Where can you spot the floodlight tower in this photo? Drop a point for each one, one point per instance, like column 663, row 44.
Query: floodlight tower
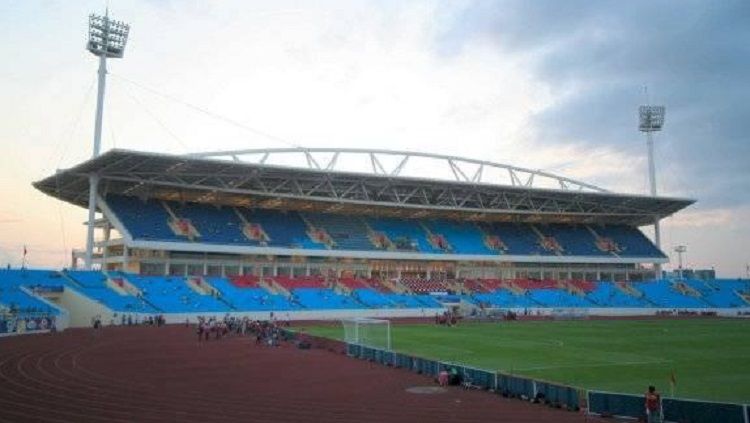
column 680, row 250
column 107, row 39
column 651, row 119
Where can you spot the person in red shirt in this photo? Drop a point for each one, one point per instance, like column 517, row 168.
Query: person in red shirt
column 653, row 405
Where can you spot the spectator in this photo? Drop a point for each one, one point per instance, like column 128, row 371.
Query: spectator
column 443, row 377
column 653, row 405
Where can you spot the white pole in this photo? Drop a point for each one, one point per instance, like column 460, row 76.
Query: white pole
column 93, row 179
column 93, row 184
column 100, row 104
column 652, row 182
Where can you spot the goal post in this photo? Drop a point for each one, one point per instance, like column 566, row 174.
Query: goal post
column 374, row 333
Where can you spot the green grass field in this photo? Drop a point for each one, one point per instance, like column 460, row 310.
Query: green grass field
column 710, row 358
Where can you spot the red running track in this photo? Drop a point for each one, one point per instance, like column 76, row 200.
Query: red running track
column 146, row 374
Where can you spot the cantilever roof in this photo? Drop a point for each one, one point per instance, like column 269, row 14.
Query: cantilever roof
column 238, row 183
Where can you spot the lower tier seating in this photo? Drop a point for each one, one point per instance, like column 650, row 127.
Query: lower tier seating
column 23, row 291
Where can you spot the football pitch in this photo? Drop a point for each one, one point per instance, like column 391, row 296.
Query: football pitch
column 710, row 358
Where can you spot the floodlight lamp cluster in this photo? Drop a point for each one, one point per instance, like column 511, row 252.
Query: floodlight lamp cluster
column 651, row 118
column 107, row 37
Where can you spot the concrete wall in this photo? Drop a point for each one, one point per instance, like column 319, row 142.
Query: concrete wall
column 81, row 309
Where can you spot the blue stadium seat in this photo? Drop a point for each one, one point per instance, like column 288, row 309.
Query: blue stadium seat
column 324, row 299
column 249, row 298
column 349, row 233
column 172, row 295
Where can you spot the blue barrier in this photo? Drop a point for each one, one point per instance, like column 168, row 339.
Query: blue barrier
column 353, row 350
column 559, row 394
column 609, row 403
column 404, row 361
column 603, row 403
column 480, row 378
column 515, row 386
column 699, row 412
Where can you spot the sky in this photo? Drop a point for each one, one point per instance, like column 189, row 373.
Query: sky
column 547, row 85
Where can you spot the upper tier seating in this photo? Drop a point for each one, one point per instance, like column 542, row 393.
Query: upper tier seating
column 575, row 240
column 406, row 235
column 287, row 229
column 463, row 237
column 284, row 229
column 348, row 233
column 519, row 239
column 631, row 241
column 144, row 220
column 215, row 225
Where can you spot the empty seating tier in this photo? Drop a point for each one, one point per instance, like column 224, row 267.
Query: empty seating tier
column 151, row 220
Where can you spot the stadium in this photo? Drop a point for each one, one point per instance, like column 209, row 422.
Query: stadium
column 394, row 267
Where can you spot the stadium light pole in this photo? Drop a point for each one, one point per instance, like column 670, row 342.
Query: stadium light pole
column 651, row 119
column 680, row 250
column 107, row 39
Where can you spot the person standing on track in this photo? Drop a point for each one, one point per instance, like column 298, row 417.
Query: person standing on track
column 653, row 405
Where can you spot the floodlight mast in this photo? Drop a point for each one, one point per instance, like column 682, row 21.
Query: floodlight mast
column 680, row 250
column 651, row 119
column 107, row 39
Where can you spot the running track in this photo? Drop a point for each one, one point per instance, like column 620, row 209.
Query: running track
column 146, row 374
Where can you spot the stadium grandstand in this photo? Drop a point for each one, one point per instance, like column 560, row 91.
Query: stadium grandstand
column 238, row 232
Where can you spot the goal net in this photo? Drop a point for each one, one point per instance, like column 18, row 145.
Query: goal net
column 375, row 333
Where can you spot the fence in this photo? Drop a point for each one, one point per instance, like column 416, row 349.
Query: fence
column 557, row 395
column 503, row 384
column 673, row 409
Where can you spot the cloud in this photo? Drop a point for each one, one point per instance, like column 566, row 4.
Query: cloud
column 596, row 57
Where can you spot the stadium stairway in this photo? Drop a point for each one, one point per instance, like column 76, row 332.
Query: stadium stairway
column 378, row 239
column 685, row 289
column 203, row 286
column 199, row 285
column 600, row 241
column 318, row 234
column 548, row 242
column 275, row 288
column 179, row 225
column 630, row 290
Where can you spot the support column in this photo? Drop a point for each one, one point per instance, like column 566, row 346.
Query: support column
column 93, row 186
column 125, row 258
